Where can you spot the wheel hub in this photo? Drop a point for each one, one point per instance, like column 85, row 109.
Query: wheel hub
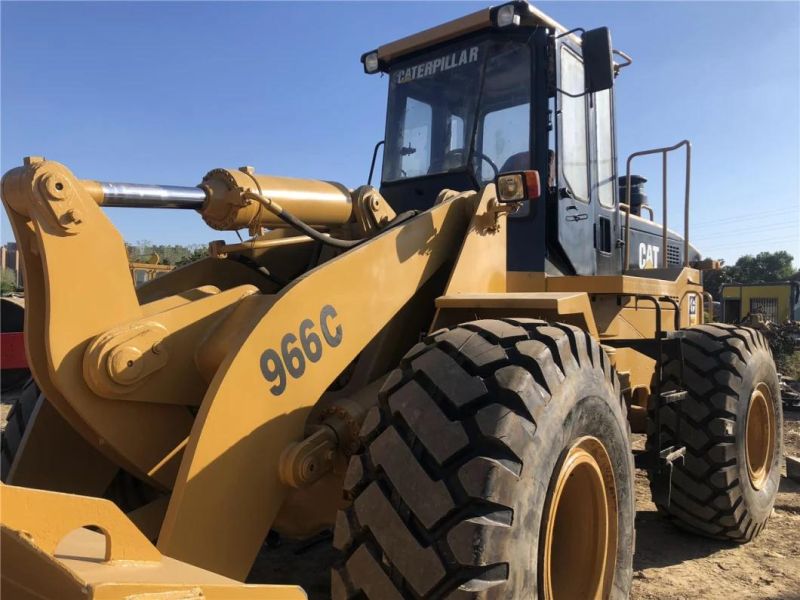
column 760, row 435
column 580, row 535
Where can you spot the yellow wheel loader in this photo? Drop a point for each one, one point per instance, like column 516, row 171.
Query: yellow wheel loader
column 443, row 371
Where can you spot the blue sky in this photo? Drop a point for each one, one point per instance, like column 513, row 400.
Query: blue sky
column 161, row 92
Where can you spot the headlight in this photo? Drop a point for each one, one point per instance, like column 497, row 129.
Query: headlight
column 510, row 188
column 371, row 63
column 519, row 186
column 507, row 15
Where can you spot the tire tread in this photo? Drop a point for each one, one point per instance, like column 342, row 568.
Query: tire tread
column 474, row 382
column 706, row 496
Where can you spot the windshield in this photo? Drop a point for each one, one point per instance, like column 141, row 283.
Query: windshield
column 463, row 108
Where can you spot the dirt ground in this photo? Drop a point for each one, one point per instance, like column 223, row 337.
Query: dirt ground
column 668, row 564
column 672, row 565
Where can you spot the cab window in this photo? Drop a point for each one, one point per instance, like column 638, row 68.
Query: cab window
column 605, row 150
column 415, row 156
column 573, row 126
column 462, row 108
column 505, row 140
column 504, row 136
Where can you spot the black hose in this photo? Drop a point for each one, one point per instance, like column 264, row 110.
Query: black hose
column 401, row 218
column 288, row 218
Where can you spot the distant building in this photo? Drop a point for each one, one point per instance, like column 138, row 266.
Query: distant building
column 778, row 302
column 11, row 259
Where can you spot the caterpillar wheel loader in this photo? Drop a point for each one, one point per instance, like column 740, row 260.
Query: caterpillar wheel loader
column 445, row 370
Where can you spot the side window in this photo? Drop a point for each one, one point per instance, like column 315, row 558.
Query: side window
column 416, row 137
column 505, row 140
column 605, row 150
column 573, row 126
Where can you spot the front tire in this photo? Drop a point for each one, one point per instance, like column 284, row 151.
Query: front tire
column 497, row 465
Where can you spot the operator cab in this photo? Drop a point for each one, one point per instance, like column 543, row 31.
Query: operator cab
column 508, row 89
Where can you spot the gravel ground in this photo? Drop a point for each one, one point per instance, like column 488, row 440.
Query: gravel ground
column 668, row 564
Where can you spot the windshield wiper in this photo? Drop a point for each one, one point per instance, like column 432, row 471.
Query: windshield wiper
column 407, row 150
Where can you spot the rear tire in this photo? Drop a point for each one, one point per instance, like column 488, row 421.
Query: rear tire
column 465, row 459
column 732, row 427
column 125, row 490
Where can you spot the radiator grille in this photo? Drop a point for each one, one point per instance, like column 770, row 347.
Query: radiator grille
column 673, row 255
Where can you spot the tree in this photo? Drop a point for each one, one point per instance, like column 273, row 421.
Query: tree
column 764, row 267
column 175, row 254
column 8, row 282
column 714, row 280
column 197, row 254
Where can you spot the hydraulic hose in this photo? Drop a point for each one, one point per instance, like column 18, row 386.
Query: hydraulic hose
column 288, row 218
column 293, row 221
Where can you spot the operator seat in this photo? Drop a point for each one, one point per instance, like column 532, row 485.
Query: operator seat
column 521, row 161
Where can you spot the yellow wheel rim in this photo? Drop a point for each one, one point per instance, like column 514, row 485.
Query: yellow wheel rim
column 760, row 435
column 580, row 535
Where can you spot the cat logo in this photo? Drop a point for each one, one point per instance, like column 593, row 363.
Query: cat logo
column 648, row 256
column 692, row 304
column 694, row 319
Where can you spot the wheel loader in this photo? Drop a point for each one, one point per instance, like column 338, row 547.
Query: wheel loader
column 444, row 371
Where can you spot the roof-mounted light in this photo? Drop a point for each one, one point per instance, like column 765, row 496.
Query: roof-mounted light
column 506, row 16
column 371, row 62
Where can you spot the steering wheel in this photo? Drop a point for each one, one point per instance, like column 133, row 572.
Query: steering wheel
column 489, row 161
column 455, row 155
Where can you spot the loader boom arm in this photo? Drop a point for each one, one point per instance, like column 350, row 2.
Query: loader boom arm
column 122, row 372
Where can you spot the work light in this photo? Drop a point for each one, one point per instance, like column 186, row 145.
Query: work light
column 371, row 63
column 507, row 15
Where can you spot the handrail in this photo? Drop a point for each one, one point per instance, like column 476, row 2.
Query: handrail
column 626, row 208
column 663, row 151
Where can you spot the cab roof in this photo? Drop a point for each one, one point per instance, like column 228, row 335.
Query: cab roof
column 481, row 20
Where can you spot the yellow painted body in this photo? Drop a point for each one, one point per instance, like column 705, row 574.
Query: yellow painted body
column 262, row 366
column 781, row 300
column 47, row 553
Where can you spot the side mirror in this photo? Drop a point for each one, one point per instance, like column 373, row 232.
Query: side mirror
column 518, row 186
column 597, row 60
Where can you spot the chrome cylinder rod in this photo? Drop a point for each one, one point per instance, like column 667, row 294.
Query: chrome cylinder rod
column 136, row 195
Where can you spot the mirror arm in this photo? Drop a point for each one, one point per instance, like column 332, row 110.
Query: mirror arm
column 374, row 157
column 581, row 95
column 570, row 32
column 628, row 61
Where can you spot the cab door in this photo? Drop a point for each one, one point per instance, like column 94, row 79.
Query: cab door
column 604, row 182
column 575, row 210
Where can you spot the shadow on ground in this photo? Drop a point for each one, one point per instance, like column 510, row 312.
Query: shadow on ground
column 659, row 543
